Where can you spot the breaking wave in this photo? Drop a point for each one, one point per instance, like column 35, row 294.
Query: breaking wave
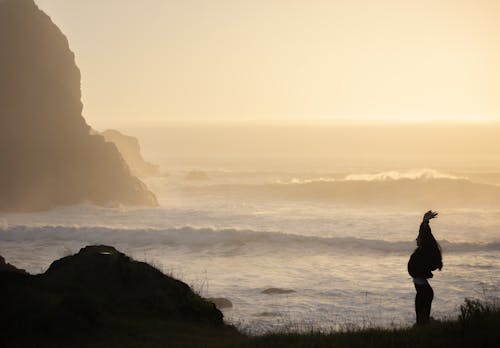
column 415, row 189
column 416, row 174
column 420, row 174
column 210, row 239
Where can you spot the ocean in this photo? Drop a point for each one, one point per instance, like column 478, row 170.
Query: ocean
column 340, row 241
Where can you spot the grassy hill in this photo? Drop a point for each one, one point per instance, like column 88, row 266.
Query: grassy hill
column 100, row 297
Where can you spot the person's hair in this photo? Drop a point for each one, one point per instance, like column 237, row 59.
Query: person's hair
column 431, row 250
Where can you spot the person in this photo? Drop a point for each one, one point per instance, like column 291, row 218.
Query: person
column 425, row 259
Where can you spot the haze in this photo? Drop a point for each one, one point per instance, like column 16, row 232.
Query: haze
column 277, row 155
column 342, row 147
column 283, row 61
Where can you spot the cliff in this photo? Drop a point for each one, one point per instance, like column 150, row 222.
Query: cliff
column 47, row 154
column 100, row 297
column 131, row 153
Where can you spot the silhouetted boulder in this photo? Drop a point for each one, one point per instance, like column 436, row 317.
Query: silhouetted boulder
column 102, row 274
column 47, row 155
column 131, row 153
column 98, row 290
column 277, row 291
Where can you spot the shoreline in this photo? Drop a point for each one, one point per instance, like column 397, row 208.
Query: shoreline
column 112, row 328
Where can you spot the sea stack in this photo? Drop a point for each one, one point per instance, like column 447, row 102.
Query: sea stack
column 48, row 156
column 131, row 152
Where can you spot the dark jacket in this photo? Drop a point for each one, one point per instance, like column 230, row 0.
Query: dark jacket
column 424, row 259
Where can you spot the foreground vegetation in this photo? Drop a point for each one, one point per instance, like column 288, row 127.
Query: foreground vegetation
column 477, row 326
column 100, row 297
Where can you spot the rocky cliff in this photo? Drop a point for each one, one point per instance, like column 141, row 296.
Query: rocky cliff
column 131, row 153
column 47, row 155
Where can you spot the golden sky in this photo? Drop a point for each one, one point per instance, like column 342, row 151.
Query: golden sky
column 284, row 60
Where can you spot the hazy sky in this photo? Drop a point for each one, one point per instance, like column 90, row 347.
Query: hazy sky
column 278, row 60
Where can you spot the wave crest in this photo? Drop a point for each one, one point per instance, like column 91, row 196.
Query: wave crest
column 221, row 239
column 418, row 174
column 418, row 189
column 415, row 174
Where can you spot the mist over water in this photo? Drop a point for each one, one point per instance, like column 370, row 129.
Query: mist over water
column 297, row 154
column 232, row 233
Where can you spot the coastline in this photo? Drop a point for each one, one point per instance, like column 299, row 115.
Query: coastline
column 477, row 324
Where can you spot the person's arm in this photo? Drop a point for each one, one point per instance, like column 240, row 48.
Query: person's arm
column 424, row 227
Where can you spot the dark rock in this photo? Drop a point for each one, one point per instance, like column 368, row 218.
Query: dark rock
column 131, row 153
column 220, row 302
column 274, row 291
column 269, row 314
column 48, row 156
column 101, row 291
column 7, row 267
column 123, row 284
column 80, row 308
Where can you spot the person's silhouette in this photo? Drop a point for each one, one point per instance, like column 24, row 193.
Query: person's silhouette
column 425, row 259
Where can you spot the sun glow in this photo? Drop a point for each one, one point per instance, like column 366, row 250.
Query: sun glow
column 285, row 61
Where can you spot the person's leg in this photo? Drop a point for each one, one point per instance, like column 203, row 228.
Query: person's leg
column 429, row 296
column 423, row 302
column 419, row 304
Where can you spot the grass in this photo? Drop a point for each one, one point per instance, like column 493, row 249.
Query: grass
column 37, row 312
column 478, row 325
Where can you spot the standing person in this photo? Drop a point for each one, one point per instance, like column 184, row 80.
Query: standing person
column 425, row 259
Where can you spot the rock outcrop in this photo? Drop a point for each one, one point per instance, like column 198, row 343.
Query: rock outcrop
column 98, row 291
column 277, row 291
column 7, row 267
column 47, row 155
column 131, row 153
column 220, row 302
